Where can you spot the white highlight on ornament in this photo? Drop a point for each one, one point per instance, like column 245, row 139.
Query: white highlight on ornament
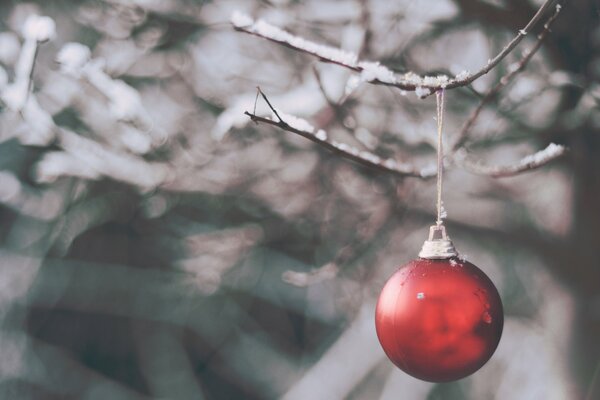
column 321, row 135
column 240, row 19
column 372, row 71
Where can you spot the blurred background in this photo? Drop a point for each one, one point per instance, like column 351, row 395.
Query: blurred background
column 157, row 244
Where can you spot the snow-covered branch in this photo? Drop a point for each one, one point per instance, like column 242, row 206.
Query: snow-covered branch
column 35, row 30
column 374, row 72
column 360, row 156
column 527, row 163
column 93, row 156
column 303, row 128
column 125, row 102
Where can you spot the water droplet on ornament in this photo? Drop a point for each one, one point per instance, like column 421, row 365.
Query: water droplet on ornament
column 487, row 318
column 420, row 295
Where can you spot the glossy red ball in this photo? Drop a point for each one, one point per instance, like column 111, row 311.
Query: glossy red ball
column 439, row 320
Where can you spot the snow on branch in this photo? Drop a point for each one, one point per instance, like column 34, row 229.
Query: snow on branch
column 36, row 30
column 303, row 128
column 373, row 72
column 527, row 163
column 99, row 159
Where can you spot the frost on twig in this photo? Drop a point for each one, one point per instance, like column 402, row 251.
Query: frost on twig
column 528, row 163
column 373, row 72
column 303, row 128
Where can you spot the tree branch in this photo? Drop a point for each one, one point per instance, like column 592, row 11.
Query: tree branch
column 527, row 163
column 303, row 128
column 362, row 157
column 504, row 80
column 373, row 72
column 36, row 30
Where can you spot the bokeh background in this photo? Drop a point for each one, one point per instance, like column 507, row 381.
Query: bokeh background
column 157, row 244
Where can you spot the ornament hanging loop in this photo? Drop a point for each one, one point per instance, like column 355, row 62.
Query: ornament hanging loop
column 438, row 245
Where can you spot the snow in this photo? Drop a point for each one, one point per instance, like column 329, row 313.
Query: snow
column 523, row 32
column 430, row 170
column 422, row 92
column 346, row 148
column 125, row 101
column 321, row 135
column 39, row 28
column 240, row 19
column 293, row 121
column 366, row 155
column 72, row 57
column 552, row 151
column 390, row 163
column 372, row 71
column 266, row 30
column 462, row 75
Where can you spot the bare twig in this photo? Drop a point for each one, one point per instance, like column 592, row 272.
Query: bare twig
column 270, row 105
column 373, row 72
column 528, row 163
column 513, row 71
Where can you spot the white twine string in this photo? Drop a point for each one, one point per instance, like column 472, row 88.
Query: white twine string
column 439, row 96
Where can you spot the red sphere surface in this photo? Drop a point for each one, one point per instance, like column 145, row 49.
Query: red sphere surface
column 439, row 320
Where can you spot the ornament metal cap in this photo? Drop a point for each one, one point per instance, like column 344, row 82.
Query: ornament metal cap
column 438, row 246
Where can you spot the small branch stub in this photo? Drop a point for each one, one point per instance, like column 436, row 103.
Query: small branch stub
column 438, row 246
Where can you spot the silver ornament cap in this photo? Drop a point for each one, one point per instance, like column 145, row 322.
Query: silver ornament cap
column 438, row 246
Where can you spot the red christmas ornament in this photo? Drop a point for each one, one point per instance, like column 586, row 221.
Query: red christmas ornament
column 439, row 318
